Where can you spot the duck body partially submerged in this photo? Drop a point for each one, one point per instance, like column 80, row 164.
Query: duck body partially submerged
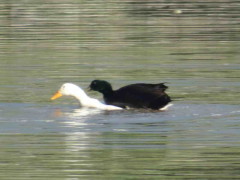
column 69, row 89
column 140, row 95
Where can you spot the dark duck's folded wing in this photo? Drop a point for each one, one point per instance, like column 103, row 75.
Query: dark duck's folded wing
column 140, row 96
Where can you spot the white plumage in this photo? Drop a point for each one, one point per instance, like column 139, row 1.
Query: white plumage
column 69, row 89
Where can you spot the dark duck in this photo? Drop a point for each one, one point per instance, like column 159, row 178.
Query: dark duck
column 140, row 95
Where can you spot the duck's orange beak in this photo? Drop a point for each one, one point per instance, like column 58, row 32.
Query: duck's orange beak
column 56, row 95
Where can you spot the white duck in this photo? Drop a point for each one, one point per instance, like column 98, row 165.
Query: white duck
column 69, row 89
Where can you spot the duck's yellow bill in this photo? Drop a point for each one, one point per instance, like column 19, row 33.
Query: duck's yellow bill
column 56, row 95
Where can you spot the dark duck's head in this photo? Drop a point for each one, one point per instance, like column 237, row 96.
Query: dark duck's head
column 101, row 86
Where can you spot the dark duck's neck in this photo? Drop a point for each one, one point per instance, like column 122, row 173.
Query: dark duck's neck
column 101, row 86
column 107, row 90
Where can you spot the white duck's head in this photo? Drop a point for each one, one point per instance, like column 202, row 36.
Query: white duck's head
column 69, row 89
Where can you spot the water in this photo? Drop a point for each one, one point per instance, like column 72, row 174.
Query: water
column 187, row 141
column 192, row 45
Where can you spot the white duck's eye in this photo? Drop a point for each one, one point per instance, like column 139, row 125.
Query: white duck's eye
column 63, row 87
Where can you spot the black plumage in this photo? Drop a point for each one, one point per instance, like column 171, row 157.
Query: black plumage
column 138, row 95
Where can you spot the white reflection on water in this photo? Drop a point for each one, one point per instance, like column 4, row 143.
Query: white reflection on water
column 79, row 116
column 77, row 141
column 83, row 112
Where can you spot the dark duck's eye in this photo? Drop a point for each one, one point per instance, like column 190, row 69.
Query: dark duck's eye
column 93, row 85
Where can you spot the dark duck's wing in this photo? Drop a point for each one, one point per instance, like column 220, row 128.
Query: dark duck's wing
column 140, row 96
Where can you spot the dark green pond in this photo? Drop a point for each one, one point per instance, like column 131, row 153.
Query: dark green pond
column 191, row 45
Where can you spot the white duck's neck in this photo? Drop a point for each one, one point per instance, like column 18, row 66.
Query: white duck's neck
column 86, row 101
column 81, row 96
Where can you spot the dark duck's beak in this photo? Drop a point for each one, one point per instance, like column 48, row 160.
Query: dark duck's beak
column 92, row 86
